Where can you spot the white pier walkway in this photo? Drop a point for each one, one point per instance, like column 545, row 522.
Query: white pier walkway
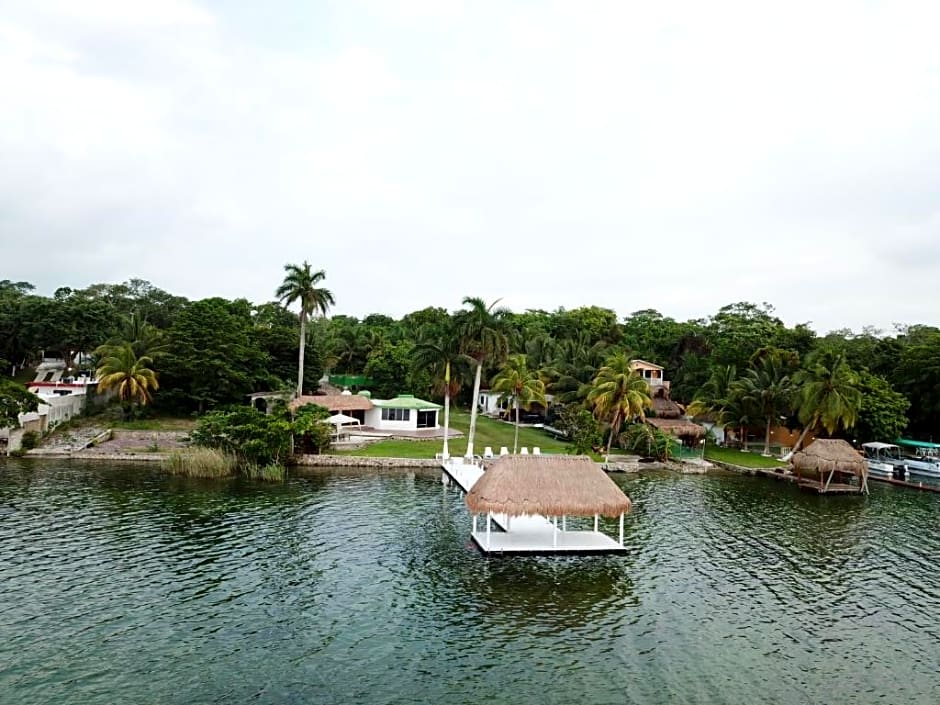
column 532, row 534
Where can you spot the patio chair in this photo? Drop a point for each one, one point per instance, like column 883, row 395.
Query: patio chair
column 536, row 450
column 488, row 452
column 503, row 450
column 524, row 451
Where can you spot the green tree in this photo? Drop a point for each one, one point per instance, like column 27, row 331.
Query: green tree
column 769, row 387
column 882, row 414
column 300, row 285
column 132, row 376
column 580, row 428
column 517, row 382
column 439, row 352
column 212, row 356
column 388, row 367
column 618, row 394
column 829, row 396
column 15, row 400
column 483, row 339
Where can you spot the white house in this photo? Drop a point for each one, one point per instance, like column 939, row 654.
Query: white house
column 403, row 413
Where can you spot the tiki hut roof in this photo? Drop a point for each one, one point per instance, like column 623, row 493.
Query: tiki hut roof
column 827, row 454
column 666, row 408
column 334, row 402
column 547, row 485
column 677, row 427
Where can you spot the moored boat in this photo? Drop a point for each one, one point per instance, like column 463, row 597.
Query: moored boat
column 885, row 460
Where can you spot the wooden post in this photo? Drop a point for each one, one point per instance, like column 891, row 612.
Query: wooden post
column 595, row 523
column 831, row 473
column 621, row 529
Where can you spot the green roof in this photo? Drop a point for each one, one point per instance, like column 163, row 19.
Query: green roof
column 405, row 401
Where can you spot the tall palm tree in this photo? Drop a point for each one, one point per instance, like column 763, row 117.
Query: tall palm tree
column 132, row 376
column 523, row 385
column 828, row 393
column 770, row 389
column 713, row 396
column 300, row 284
column 441, row 355
column 618, row 393
column 483, row 339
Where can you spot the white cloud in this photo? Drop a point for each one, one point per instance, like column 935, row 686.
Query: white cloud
column 629, row 155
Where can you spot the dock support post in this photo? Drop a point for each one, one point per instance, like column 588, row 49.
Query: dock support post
column 554, row 532
column 474, row 523
column 488, row 517
column 595, row 523
column 621, row 529
column 564, row 522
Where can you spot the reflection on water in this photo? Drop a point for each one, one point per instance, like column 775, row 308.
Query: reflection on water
column 121, row 585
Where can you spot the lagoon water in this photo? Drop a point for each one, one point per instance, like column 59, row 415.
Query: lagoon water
column 120, row 585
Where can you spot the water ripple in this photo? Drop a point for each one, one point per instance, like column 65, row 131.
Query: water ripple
column 121, row 584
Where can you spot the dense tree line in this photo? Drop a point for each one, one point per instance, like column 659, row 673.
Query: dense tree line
column 743, row 362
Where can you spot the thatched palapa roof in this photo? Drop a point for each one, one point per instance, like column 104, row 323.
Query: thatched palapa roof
column 548, row 485
column 666, row 408
column 677, row 427
column 827, row 454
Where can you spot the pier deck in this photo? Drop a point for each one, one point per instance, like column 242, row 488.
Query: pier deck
column 525, row 535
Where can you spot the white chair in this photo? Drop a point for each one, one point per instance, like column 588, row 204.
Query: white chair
column 488, row 452
column 524, row 450
column 504, row 450
column 536, row 450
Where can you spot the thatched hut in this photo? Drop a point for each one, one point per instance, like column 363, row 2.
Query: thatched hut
column 547, row 486
column 829, row 465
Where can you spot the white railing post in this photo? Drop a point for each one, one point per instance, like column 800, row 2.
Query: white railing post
column 621, row 529
column 595, row 523
column 488, row 516
column 554, row 532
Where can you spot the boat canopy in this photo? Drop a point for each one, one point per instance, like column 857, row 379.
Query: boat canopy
column 878, row 446
column 918, row 444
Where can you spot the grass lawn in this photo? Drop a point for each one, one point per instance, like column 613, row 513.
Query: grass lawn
column 489, row 433
column 738, row 457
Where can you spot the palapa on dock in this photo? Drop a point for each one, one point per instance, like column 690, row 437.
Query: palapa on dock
column 530, row 493
column 836, row 463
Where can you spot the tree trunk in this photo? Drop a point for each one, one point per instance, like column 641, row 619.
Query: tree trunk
column 799, row 441
column 610, row 441
column 515, row 441
column 767, row 437
column 446, row 408
column 473, row 409
column 303, row 345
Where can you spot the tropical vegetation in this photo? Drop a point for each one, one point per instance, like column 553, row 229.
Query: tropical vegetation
column 741, row 367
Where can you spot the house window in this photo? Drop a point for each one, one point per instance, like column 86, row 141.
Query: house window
column 396, row 414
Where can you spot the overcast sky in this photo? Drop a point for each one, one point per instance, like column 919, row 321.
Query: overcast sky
column 677, row 156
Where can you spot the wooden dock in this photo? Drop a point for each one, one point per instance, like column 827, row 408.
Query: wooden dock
column 828, row 488
column 524, row 535
column 926, row 487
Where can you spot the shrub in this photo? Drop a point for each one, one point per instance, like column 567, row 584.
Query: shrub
column 30, row 440
column 646, row 440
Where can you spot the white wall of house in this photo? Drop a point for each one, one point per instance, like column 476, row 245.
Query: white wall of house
column 489, row 401
column 375, row 420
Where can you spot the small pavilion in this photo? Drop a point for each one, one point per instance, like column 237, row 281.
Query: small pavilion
column 831, row 466
column 530, row 498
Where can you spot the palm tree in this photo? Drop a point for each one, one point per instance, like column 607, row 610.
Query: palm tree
column 713, row 396
column 525, row 386
column 442, row 357
column 132, row 376
column 618, row 393
column 300, row 284
column 829, row 395
column 483, row 339
column 770, row 389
